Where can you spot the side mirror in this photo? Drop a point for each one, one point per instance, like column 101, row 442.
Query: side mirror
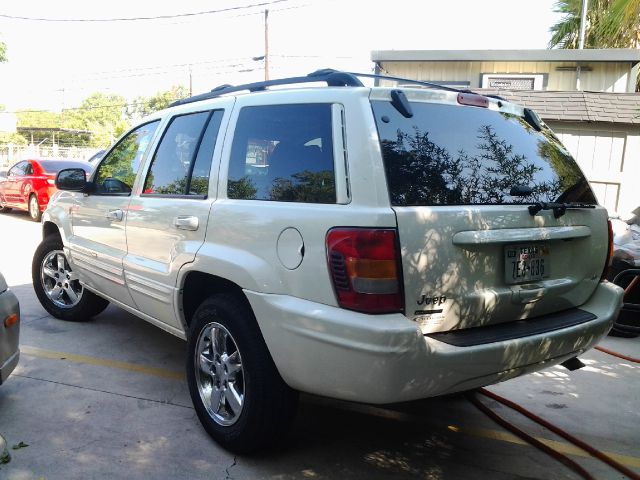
column 71, row 179
column 3, row 173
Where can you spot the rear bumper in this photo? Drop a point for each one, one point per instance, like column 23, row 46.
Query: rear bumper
column 385, row 358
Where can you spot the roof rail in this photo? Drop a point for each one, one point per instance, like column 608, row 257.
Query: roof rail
column 333, row 78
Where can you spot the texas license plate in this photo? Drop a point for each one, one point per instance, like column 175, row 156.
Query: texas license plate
column 526, row 262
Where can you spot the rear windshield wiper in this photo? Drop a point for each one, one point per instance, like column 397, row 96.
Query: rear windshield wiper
column 559, row 209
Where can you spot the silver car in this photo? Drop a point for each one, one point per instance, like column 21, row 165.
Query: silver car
column 9, row 330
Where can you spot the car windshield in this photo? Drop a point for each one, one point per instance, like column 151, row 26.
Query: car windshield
column 452, row 155
column 54, row 166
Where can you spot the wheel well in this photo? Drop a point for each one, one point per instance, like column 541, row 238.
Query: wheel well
column 50, row 228
column 199, row 286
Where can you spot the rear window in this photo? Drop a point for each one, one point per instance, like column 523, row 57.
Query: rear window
column 54, row 166
column 452, row 155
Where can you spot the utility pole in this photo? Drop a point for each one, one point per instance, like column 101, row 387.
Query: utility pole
column 266, row 44
column 583, row 29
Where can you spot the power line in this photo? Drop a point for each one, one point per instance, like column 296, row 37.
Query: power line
column 132, row 19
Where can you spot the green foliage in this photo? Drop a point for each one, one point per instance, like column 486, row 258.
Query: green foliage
column 34, row 119
column 13, row 138
column 610, row 24
column 425, row 173
column 143, row 106
column 121, row 164
column 243, row 188
column 306, row 186
column 3, row 52
column 101, row 114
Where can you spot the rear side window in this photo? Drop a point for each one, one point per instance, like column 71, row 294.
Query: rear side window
column 283, row 153
column 451, row 155
column 18, row 169
column 182, row 161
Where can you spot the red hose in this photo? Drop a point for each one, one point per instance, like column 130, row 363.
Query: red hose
column 529, row 439
column 619, row 355
column 558, row 431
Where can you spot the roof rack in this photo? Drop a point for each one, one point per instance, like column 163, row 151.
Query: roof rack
column 333, row 78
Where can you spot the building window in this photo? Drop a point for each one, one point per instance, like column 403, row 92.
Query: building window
column 507, row 81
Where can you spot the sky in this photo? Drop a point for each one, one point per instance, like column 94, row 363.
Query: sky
column 54, row 65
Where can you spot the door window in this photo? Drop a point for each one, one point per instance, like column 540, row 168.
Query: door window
column 283, row 153
column 182, row 162
column 117, row 172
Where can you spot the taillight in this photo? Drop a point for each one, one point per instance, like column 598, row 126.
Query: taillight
column 365, row 269
column 607, row 262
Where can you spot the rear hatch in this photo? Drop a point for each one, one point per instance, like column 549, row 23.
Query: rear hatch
column 462, row 173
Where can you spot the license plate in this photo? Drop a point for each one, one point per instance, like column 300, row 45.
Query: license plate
column 526, row 262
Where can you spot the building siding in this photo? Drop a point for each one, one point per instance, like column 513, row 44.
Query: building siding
column 609, row 157
column 603, row 77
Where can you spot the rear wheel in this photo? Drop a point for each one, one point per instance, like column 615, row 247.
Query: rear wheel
column 57, row 286
column 34, row 208
column 237, row 392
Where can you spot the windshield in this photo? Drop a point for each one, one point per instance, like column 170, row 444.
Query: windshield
column 452, row 155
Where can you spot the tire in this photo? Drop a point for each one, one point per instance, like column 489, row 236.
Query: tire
column 58, row 288
column 34, row 208
column 3, row 207
column 236, row 362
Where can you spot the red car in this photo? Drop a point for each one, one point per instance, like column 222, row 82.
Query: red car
column 29, row 184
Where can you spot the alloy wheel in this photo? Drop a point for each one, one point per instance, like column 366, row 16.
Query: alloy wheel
column 219, row 374
column 60, row 283
column 34, row 208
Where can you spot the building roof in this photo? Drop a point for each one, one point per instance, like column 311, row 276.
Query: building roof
column 576, row 106
column 559, row 55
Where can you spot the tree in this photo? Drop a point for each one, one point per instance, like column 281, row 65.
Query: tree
column 3, row 52
column 102, row 115
column 143, row 106
column 610, row 24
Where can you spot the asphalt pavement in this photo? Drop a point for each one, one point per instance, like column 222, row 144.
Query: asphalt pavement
column 107, row 399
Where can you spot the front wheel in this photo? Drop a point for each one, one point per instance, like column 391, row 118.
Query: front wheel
column 3, row 206
column 57, row 286
column 34, row 208
column 236, row 390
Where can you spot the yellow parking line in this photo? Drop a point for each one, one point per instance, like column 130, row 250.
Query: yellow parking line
column 498, row 435
column 130, row 367
column 561, row 447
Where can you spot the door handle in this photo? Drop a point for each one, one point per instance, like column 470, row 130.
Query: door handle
column 186, row 223
column 115, row 215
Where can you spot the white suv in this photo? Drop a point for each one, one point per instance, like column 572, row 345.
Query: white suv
column 369, row 244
